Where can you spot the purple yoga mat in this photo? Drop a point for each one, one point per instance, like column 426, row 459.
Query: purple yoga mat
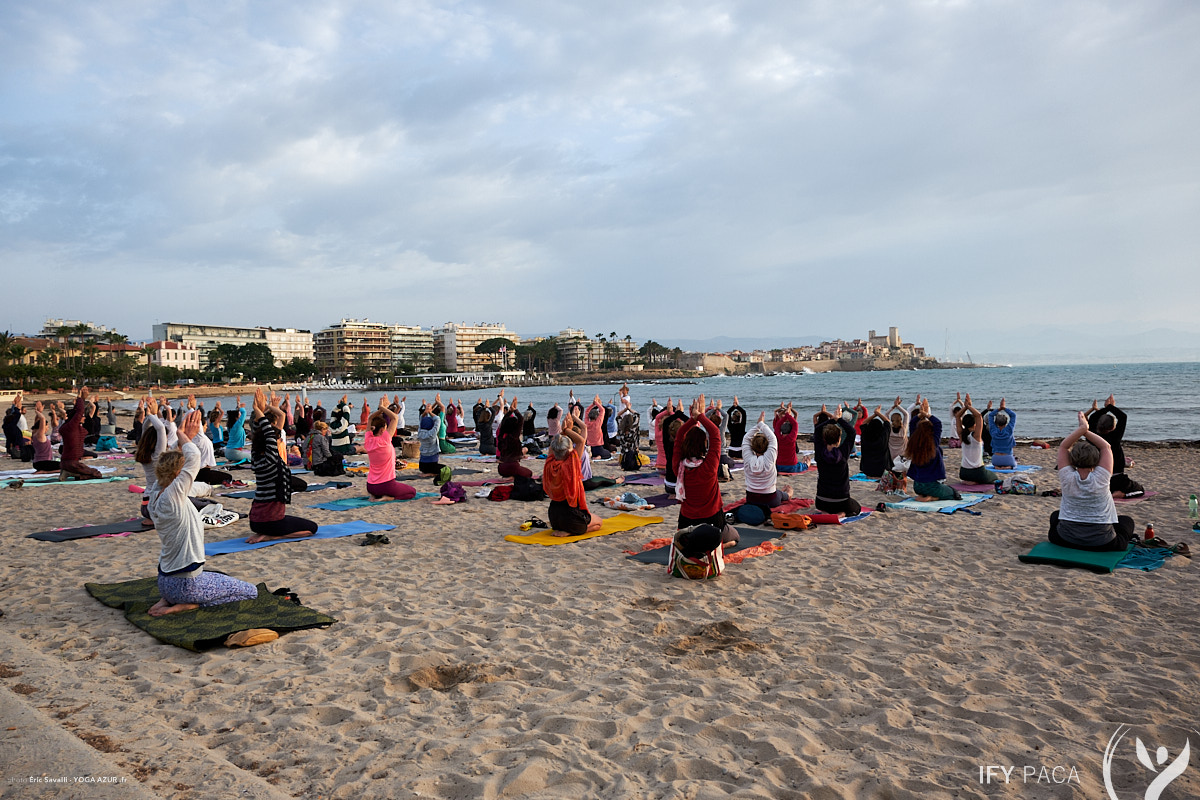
column 653, row 479
column 660, row 500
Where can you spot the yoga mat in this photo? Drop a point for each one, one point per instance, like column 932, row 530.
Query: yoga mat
column 205, row 627
column 1145, row 496
column 299, row 471
column 427, row 476
column 1050, row 553
column 661, row 500
column 29, row 484
column 645, row 480
column 350, row 503
column 1017, row 468
column 858, row 476
column 973, row 487
column 747, row 537
column 460, row 457
column 88, row 531
column 617, row 524
column 942, row 506
column 248, row 494
column 325, row 532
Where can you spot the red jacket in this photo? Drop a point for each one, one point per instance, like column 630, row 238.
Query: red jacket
column 702, row 493
column 787, row 441
column 72, row 434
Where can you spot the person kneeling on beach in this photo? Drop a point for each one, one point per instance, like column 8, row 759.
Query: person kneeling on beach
column 833, row 438
column 563, row 482
column 182, row 581
column 967, row 421
column 928, row 469
column 273, row 479
column 381, row 456
column 759, row 447
column 1087, row 517
column 696, row 457
column 1002, row 424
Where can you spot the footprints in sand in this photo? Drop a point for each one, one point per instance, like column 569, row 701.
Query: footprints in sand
column 712, row 638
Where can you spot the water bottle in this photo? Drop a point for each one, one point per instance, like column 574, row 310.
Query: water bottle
column 1193, row 508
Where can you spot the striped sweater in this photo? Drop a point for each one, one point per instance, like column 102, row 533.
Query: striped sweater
column 272, row 477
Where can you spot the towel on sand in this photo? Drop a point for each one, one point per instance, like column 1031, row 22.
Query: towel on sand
column 747, row 538
column 205, row 627
column 324, row 532
column 942, row 506
column 617, row 524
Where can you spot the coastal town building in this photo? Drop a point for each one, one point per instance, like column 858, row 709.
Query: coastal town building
column 286, row 344
column 80, row 331
column 454, row 346
column 180, row 355
column 412, row 345
column 352, row 344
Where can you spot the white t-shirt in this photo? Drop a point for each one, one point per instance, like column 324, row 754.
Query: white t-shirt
column 1086, row 500
column 972, row 454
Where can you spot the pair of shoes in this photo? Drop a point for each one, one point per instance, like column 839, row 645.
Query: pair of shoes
column 287, row 594
column 235, row 484
column 1182, row 549
column 533, row 522
column 881, row 507
column 375, row 538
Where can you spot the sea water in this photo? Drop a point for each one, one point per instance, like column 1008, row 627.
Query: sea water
column 1160, row 399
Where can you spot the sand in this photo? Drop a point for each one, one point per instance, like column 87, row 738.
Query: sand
column 890, row 658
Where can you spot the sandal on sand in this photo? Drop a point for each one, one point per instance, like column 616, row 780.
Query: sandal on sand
column 251, row 637
column 375, row 538
column 1182, row 549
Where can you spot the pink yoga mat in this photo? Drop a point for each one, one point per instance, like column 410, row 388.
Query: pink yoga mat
column 1146, row 496
column 983, row 488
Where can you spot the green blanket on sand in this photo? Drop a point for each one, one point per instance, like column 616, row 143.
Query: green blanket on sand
column 205, row 627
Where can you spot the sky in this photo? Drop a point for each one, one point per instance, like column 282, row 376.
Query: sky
column 664, row 170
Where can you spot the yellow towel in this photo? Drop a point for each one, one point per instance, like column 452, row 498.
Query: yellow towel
column 621, row 522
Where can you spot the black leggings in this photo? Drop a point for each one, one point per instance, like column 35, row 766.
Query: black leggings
column 849, row 506
column 213, row 476
column 284, row 527
column 46, row 466
column 1123, row 528
column 430, row 467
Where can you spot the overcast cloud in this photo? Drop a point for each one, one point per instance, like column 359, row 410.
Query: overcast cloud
column 662, row 170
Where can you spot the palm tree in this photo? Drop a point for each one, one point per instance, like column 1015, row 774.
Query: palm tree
column 6, row 343
column 17, row 352
column 115, row 340
column 90, row 351
column 148, row 352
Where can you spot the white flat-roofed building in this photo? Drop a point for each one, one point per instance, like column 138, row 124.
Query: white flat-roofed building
column 285, row 343
column 454, row 345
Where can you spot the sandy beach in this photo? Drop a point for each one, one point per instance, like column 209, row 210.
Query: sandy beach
column 894, row 657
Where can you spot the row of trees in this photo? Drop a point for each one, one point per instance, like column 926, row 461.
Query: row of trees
column 548, row 356
column 74, row 358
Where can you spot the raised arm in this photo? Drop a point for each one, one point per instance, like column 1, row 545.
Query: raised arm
column 1082, row 431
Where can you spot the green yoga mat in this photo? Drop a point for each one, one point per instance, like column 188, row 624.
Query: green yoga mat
column 205, row 627
column 1049, row 553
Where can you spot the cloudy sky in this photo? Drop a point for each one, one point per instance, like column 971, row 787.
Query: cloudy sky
column 658, row 169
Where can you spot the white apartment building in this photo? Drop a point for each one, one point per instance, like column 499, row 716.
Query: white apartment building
column 180, row 355
column 412, row 344
column 454, row 345
column 285, row 343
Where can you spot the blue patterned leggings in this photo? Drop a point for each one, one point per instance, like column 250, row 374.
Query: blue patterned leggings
column 208, row 589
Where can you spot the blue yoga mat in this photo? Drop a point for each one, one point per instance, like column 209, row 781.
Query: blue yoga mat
column 942, row 506
column 325, row 532
column 1017, row 468
column 351, row 503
